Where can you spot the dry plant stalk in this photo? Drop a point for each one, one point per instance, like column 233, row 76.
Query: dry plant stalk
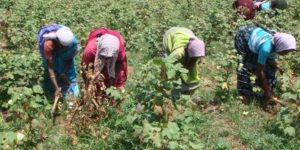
column 166, row 110
column 169, row 108
column 92, row 108
column 276, row 100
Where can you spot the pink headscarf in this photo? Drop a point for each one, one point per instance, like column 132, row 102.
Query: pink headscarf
column 284, row 41
column 196, row 48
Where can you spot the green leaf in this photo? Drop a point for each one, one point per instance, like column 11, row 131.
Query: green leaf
column 10, row 90
column 171, row 73
column 285, row 78
column 173, row 145
column 158, row 61
column 290, row 131
column 146, row 128
column 35, row 123
column 10, row 75
column 114, row 92
column 297, row 85
column 27, row 91
column 289, row 95
column 183, row 70
column 37, row 89
column 33, row 104
column 188, row 119
column 156, row 140
column 172, row 131
column 8, row 137
column 195, row 146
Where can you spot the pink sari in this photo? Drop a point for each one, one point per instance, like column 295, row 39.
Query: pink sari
column 90, row 52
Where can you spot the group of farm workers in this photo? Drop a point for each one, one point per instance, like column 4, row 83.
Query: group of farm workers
column 58, row 47
column 247, row 8
column 257, row 45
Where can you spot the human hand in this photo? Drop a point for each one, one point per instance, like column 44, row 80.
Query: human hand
column 57, row 92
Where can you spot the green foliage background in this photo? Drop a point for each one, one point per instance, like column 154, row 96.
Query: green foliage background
column 143, row 24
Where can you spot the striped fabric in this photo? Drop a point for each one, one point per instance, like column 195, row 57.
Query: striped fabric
column 108, row 45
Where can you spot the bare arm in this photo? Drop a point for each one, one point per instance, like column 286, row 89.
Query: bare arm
column 263, row 81
column 53, row 77
column 48, row 48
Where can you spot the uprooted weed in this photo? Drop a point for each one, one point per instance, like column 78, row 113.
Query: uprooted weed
column 92, row 107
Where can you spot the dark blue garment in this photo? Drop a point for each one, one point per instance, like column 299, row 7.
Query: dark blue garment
column 249, row 62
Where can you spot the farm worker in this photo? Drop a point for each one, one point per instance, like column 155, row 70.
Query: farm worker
column 107, row 46
column 247, row 7
column 181, row 44
column 58, row 47
column 259, row 48
column 273, row 4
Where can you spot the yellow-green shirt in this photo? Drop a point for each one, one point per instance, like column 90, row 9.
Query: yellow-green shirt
column 175, row 42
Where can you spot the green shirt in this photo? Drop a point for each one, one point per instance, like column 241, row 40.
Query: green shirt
column 175, row 42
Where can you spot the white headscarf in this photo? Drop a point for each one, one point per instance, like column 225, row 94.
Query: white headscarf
column 107, row 51
column 64, row 36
